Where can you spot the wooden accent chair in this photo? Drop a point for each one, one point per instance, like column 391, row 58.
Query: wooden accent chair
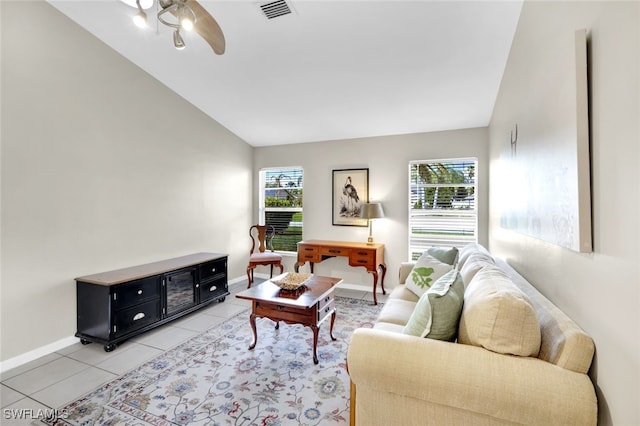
column 262, row 250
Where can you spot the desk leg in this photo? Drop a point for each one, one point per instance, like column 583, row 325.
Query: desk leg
column 297, row 266
column 252, row 320
column 375, row 285
column 383, row 267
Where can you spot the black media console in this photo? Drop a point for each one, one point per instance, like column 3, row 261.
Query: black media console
column 117, row 305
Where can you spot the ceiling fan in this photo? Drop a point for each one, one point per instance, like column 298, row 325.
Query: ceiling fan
column 182, row 15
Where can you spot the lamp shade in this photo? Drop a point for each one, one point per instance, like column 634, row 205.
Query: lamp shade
column 371, row 211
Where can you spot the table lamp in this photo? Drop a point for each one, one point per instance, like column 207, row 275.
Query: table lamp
column 371, row 211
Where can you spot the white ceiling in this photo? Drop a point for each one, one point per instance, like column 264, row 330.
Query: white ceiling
column 331, row 69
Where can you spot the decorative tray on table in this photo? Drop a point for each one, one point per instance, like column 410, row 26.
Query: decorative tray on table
column 292, row 281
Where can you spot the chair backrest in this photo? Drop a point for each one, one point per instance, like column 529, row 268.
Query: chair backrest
column 263, row 236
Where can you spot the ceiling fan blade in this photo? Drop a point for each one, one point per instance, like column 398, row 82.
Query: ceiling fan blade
column 207, row 27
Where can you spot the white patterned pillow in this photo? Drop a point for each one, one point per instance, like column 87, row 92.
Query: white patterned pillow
column 425, row 272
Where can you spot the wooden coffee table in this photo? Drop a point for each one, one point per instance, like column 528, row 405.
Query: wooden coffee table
column 309, row 306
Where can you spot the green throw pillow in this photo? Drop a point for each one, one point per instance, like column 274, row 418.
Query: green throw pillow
column 425, row 272
column 437, row 313
column 448, row 255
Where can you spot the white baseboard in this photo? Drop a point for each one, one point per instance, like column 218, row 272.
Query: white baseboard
column 63, row 343
column 37, row 353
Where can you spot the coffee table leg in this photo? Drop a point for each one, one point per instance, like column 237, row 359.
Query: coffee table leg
column 252, row 320
column 333, row 320
column 315, row 343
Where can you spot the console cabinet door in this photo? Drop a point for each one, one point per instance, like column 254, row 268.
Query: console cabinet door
column 180, row 289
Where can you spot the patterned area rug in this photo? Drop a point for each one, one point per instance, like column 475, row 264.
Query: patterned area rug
column 213, row 379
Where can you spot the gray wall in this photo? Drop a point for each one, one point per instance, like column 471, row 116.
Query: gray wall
column 103, row 167
column 388, row 161
column 600, row 291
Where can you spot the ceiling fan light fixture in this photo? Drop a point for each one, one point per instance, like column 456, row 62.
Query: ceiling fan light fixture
column 187, row 18
column 178, row 42
column 140, row 19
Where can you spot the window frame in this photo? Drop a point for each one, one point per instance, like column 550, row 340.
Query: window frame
column 262, row 209
column 452, row 224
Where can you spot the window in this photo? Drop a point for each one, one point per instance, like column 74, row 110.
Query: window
column 281, row 205
column 442, row 204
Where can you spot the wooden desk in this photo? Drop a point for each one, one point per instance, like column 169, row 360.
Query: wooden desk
column 369, row 256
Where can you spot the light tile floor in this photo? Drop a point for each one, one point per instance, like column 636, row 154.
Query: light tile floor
column 55, row 379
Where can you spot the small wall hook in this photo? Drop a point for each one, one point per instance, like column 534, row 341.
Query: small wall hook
column 514, row 141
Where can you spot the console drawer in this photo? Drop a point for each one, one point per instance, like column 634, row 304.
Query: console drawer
column 213, row 289
column 135, row 292
column 212, row 270
column 136, row 317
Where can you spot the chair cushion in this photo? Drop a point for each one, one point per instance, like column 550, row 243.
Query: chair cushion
column 425, row 272
column 437, row 313
column 267, row 256
column 498, row 316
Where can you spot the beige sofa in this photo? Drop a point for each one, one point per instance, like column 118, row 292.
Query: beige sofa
column 399, row 379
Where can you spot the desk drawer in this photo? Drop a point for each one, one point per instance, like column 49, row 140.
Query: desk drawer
column 360, row 257
column 334, row 251
column 308, row 253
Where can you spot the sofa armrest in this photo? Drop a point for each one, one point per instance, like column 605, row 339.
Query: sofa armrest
column 405, row 270
column 473, row 379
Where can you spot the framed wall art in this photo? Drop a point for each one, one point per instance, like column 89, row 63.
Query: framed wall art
column 545, row 160
column 349, row 191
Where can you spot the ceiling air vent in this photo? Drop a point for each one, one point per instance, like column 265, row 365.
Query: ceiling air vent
column 275, row 8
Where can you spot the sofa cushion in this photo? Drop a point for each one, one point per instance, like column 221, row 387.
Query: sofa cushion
column 468, row 250
column 437, row 313
column 498, row 316
column 396, row 311
column 448, row 255
column 401, row 292
column 425, row 272
column 474, row 263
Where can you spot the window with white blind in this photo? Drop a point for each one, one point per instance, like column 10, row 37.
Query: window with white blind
column 442, row 204
column 280, row 203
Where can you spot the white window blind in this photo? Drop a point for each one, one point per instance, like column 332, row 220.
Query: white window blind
column 442, row 204
column 280, row 203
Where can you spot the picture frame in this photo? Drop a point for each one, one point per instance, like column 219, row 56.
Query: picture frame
column 350, row 189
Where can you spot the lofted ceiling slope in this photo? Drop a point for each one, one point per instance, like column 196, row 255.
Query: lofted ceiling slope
column 330, row 69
